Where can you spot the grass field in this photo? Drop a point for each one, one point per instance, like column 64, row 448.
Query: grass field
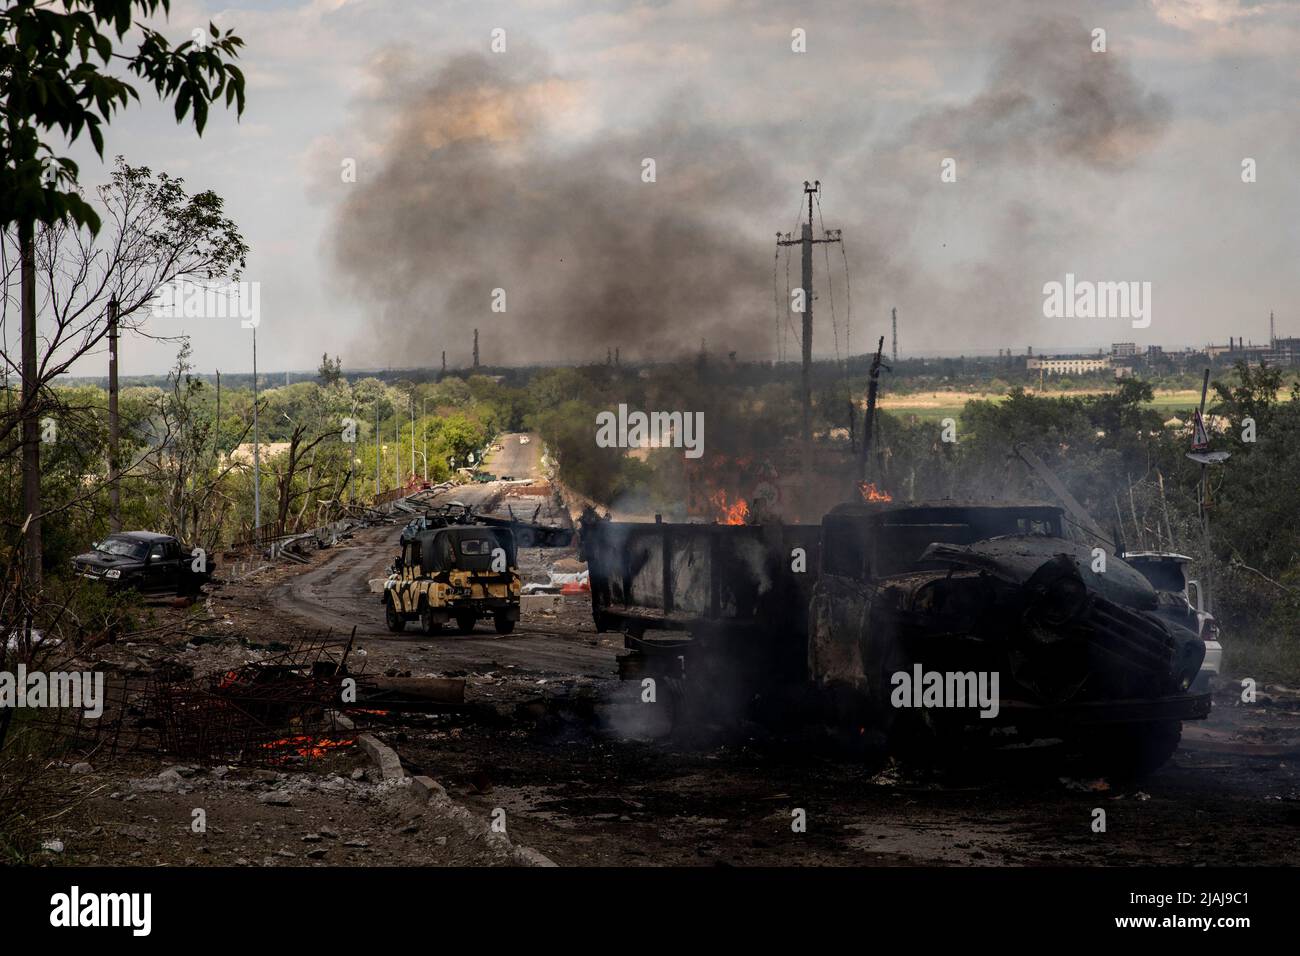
column 932, row 406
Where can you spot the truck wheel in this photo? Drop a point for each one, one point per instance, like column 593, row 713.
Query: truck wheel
column 392, row 618
column 503, row 624
column 465, row 622
column 525, row 537
column 1129, row 751
column 426, row 619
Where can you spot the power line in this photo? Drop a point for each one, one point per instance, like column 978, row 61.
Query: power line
column 830, row 289
column 848, row 295
column 776, row 302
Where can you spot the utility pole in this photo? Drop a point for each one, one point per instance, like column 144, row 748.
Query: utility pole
column 377, row 455
column 31, row 396
column 476, row 348
column 257, row 458
column 397, row 450
column 869, row 420
column 216, row 427
column 424, row 429
column 807, row 241
column 1203, row 492
column 444, row 361
column 114, row 426
column 411, row 400
column 894, row 313
column 1202, row 455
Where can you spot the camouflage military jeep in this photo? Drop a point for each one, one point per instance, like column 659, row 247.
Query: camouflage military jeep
column 459, row 574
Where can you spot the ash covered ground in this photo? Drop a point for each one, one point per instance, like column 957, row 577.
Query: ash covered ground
column 587, row 774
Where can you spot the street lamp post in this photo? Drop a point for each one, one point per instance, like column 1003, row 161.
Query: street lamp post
column 257, row 472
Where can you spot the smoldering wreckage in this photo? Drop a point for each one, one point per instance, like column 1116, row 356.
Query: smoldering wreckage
column 916, row 633
column 921, row 598
column 906, row 628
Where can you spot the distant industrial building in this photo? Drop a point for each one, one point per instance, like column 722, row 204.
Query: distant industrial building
column 1283, row 351
column 1070, row 364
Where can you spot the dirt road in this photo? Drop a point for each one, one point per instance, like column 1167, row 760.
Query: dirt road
column 337, row 594
column 589, row 774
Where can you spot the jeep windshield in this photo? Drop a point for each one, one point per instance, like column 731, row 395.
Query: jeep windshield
column 123, row 548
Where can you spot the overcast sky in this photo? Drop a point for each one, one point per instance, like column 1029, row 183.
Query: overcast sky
column 522, row 170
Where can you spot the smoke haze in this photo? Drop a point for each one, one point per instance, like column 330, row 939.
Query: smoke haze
column 488, row 174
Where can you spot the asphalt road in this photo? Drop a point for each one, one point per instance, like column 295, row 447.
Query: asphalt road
column 515, row 459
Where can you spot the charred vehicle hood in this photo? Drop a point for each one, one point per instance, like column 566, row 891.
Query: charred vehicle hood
column 1019, row 559
column 1072, row 629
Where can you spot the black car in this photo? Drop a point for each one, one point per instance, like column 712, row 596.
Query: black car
column 144, row 561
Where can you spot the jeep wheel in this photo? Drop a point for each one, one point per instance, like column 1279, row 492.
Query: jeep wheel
column 392, row 618
column 465, row 622
column 503, row 624
column 426, row 619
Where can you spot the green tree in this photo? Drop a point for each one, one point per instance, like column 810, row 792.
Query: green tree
column 50, row 80
column 330, row 372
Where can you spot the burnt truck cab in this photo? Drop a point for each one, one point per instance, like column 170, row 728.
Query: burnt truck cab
column 1071, row 637
column 143, row 561
column 1182, row 600
column 462, row 573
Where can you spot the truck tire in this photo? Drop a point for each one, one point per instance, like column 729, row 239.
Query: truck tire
column 503, row 624
column 465, row 622
column 426, row 619
column 1131, row 751
column 392, row 618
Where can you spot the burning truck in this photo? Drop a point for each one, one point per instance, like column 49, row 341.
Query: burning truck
column 823, row 623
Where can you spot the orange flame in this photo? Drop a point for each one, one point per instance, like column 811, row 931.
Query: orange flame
column 305, row 746
column 870, row 492
column 734, row 513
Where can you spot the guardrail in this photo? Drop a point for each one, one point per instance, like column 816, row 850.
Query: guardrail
column 392, row 494
column 262, row 538
column 265, row 537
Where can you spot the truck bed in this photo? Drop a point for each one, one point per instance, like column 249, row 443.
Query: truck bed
column 730, row 588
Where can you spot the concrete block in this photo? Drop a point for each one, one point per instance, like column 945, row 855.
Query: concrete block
column 537, row 603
